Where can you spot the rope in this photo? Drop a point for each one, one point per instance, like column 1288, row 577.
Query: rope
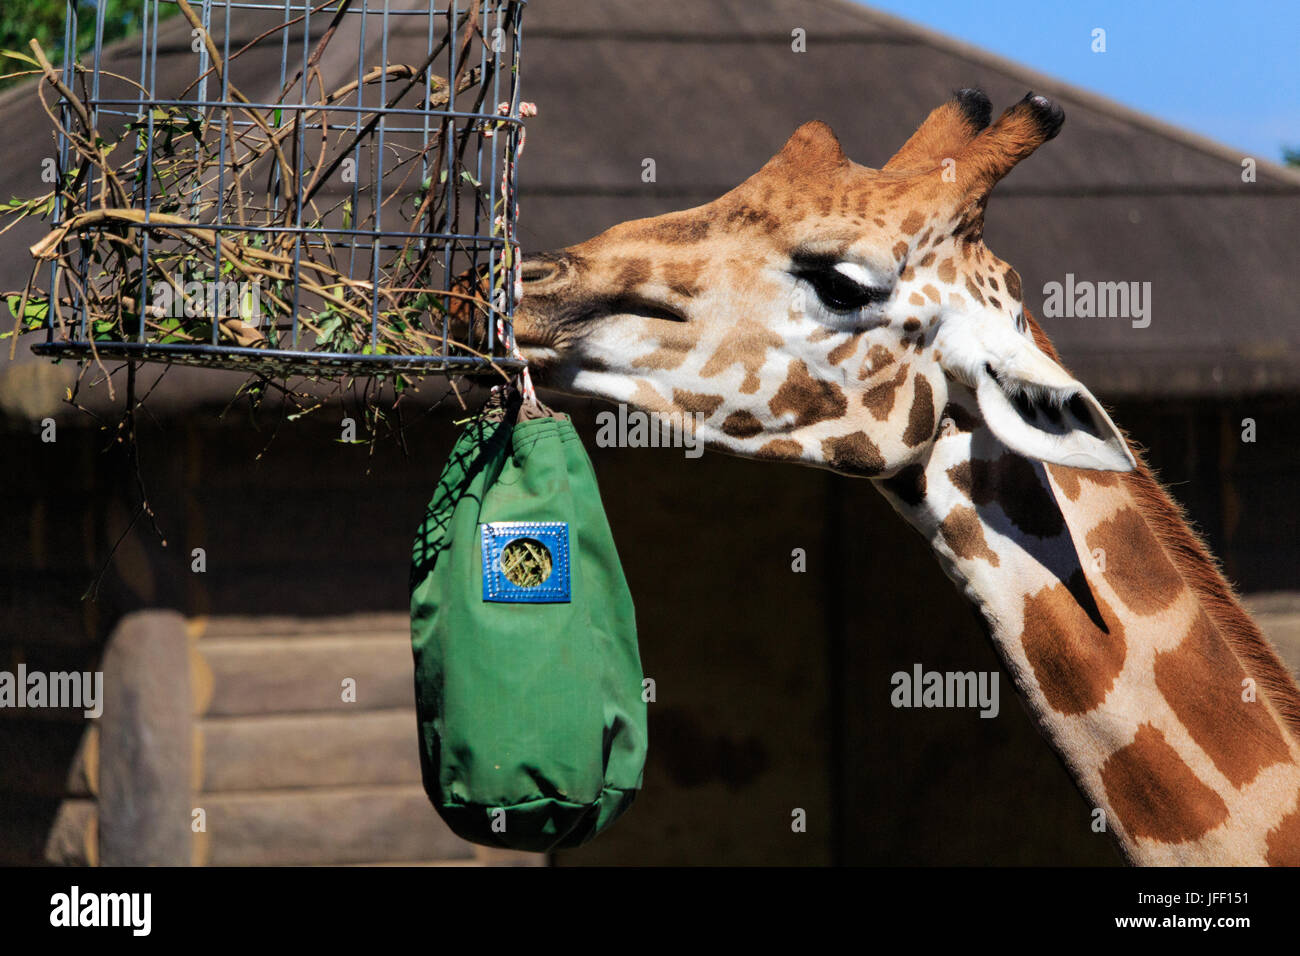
column 511, row 195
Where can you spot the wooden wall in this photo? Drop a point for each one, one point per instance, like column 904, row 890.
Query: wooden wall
column 772, row 685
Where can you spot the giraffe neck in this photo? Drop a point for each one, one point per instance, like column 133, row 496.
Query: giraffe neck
column 1168, row 708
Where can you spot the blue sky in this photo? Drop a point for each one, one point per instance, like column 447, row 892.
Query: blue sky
column 1230, row 71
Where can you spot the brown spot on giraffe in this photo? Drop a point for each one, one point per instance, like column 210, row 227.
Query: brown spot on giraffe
column 741, row 424
column 674, row 343
column 1156, row 795
column 1136, row 566
column 900, row 250
column 844, row 349
column 812, row 400
column 926, row 260
column 855, row 453
column 1202, row 681
column 877, row 358
column 912, row 223
column 683, row 278
column 677, row 229
column 931, row 292
column 959, row 475
column 695, row 402
column 632, row 273
column 746, row 343
column 974, row 291
column 1074, row 661
column 916, row 299
column 645, row 396
column 1012, row 279
column 745, row 216
column 964, row 533
column 920, row 419
column 1068, row 479
column 879, row 399
column 780, row 449
column 912, row 324
column 947, row 271
column 1283, row 842
column 821, row 333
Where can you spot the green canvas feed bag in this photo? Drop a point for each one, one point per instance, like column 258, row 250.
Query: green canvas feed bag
column 528, row 682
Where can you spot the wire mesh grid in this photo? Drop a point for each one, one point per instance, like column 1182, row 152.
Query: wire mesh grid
column 291, row 188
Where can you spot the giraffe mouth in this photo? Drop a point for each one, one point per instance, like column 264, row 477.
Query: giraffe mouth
column 637, row 307
column 552, row 340
column 539, row 354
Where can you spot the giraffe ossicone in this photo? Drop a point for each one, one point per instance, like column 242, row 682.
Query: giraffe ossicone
column 851, row 318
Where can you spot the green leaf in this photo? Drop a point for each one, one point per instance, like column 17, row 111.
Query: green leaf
column 15, row 55
column 329, row 328
column 169, row 327
column 34, row 314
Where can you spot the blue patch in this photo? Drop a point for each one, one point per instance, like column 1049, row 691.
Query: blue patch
column 554, row 535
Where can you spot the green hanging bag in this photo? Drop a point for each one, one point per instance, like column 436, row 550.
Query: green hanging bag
column 528, row 682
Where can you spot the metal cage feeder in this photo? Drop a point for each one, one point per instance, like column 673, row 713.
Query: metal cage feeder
column 328, row 190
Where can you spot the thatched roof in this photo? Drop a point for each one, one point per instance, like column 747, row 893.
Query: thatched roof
column 710, row 90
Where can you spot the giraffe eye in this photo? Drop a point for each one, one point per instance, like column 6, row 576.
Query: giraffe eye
column 839, row 292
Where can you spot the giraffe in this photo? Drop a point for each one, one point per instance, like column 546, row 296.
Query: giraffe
column 833, row 315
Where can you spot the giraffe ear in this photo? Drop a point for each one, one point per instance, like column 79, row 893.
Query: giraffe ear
column 947, row 131
column 1036, row 408
column 1030, row 403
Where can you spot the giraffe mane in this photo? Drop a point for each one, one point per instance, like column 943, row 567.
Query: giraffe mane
column 1203, row 574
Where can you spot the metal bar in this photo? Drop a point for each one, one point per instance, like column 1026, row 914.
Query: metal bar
column 466, row 240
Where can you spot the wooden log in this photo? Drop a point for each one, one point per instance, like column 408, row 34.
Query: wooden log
column 382, row 624
column 343, row 825
column 146, row 743
column 278, row 675
column 314, row 750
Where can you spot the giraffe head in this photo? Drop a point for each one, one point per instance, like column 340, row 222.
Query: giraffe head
column 822, row 311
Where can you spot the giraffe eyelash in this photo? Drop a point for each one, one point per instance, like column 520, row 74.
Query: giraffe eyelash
column 842, row 286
